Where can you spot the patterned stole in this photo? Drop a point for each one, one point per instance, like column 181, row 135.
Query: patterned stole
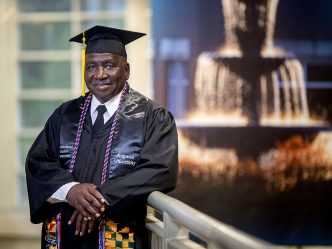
column 118, row 236
column 115, row 235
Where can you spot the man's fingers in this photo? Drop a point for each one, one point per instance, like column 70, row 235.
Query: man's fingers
column 95, row 202
column 79, row 221
column 73, row 217
column 84, row 226
column 86, row 199
column 89, row 204
column 97, row 195
column 91, row 210
column 84, row 212
column 100, row 199
column 99, row 207
column 91, row 224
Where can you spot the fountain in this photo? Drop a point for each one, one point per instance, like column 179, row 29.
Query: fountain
column 250, row 77
column 251, row 144
column 248, row 84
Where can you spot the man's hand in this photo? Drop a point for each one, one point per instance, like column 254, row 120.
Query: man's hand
column 82, row 224
column 86, row 199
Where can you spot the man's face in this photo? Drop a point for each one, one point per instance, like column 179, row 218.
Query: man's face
column 105, row 74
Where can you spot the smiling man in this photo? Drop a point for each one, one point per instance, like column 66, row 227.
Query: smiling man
column 91, row 169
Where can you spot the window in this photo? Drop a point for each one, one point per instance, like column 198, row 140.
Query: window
column 43, row 5
column 49, row 66
column 99, row 5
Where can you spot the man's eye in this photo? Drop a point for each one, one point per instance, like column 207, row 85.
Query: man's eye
column 108, row 66
column 89, row 67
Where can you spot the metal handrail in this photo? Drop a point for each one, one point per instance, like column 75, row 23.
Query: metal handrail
column 180, row 220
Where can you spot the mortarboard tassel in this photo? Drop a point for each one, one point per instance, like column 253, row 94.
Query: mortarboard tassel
column 83, row 64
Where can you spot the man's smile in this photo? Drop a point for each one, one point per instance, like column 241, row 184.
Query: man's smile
column 102, row 87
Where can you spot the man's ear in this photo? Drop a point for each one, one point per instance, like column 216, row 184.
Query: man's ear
column 127, row 70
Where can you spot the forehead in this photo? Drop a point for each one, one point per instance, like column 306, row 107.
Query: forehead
column 103, row 57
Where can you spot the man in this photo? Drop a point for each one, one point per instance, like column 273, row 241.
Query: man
column 91, row 169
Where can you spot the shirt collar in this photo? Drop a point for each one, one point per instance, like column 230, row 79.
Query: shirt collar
column 111, row 105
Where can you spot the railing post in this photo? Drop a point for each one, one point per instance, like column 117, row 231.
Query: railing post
column 172, row 231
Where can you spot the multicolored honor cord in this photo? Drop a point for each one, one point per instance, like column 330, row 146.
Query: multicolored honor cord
column 106, row 163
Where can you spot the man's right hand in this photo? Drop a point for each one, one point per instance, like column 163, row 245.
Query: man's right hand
column 85, row 198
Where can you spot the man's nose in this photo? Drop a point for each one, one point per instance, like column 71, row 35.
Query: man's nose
column 100, row 74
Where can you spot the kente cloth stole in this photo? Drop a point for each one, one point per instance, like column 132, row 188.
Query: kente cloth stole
column 116, row 235
column 112, row 235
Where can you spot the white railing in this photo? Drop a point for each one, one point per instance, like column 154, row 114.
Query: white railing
column 178, row 221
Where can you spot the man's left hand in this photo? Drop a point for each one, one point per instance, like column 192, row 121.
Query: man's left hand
column 83, row 224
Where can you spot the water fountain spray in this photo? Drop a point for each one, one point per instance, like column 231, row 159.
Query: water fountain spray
column 250, row 77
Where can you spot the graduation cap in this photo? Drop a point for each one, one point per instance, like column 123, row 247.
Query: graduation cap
column 101, row 39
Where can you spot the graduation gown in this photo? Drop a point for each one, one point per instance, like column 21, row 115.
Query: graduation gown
column 143, row 159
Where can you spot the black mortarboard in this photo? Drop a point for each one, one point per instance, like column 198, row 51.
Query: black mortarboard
column 101, row 39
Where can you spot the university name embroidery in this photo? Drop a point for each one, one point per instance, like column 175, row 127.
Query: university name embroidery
column 66, row 151
column 124, row 159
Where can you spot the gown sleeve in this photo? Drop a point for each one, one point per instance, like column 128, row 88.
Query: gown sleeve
column 157, row 167
column 44, row 172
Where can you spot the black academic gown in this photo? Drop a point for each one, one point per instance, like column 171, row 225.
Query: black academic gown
column 143, row 159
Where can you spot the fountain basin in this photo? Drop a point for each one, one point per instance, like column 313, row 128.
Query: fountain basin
column 248, row 141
